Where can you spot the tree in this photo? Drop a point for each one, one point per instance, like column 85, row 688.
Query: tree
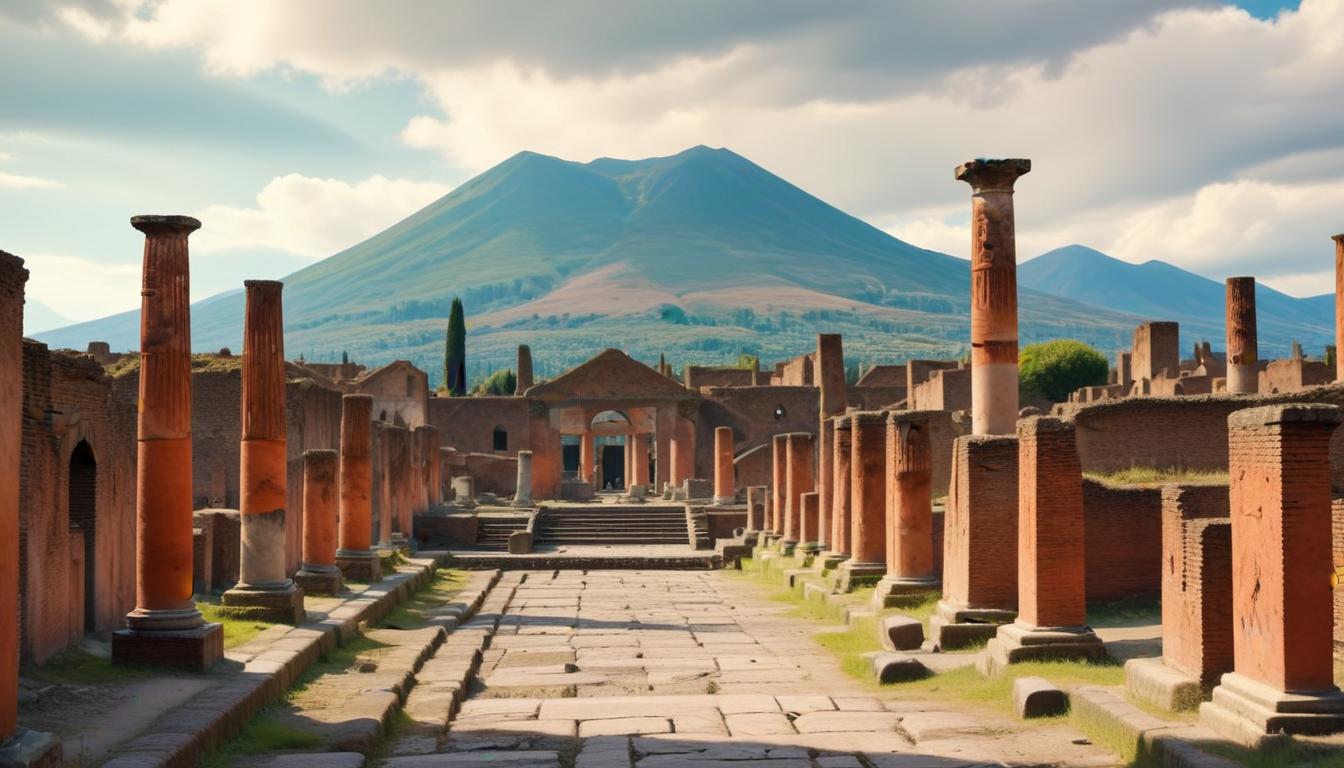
column 502, row 383
column 345, row 357
column 455, row 352
column 1053, row 369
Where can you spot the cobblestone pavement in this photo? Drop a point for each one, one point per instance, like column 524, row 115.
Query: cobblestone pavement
column 614, row 669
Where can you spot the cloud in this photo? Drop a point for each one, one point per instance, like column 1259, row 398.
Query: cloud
column 314, row 217
column 80, row 288
column 15, row 181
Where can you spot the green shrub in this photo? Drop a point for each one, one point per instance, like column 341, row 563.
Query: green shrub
column 502, row 383
column 1053, row 369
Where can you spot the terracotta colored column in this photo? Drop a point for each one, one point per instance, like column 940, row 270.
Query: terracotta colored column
column 868, row 500
column 1282, row 612
column 779, row 457
column 724, row 482
column 165, row 628
column 523, row 376
column 910, row 575
column 263, row 589
column 808, row 520
column 1339, row 307
column 1243, row 373
column 825, row 485
column 683, row 451
column 799, row 478
column 842, row 519
column 400, row 485
column 433, row 467
column 355, row 555
column 757, row 499
column 993, row 293
column 639, row 456
column 830, row 378
column 321, row 503
column 522, row 495
column 587, row 461
column 1051, row 596
column 12, row 279
column 664, row 426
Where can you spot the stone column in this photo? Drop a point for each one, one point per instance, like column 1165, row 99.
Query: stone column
column 1243, row 373
column 1282, row 612
column 993, row 293
column 165, row 628
column 587, row 461
column 1051, row 596
column 683, row 451
column 779, row 458
column 1339, row 307
column 809, row 508
column 522, row 495
column 354, row 555
column 799, row 478
column 842, row 519
column 825, row 486
column 263, row 590
column 868, row 502
column 433, row 467
column 664, row 426
column 402, row 486
column 910, row 576
column 319, row 573
column 830, row 378
column 639, row 457
column 464, row 491
column 757, row 499
column 524, row 374
column 724, row 482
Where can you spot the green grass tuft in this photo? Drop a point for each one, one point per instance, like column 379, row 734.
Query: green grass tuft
column 415, row 612
column 1154, row 477
column 75, row 666
column 236, row 630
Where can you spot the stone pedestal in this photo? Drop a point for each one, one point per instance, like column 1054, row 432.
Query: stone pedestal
column 723, row 466
column 360, row 565
column 464, row 492
column 1243, row 372
column 1018, row 642
column 319, row 574
column 1254, row 714
column 31, row 749
column 354, row 553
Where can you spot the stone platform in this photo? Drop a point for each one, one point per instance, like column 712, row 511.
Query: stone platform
column 587, row 557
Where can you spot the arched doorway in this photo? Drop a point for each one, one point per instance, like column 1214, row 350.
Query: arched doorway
column 609, row 433
column 82, row 503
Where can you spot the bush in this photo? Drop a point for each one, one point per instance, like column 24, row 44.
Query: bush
column 502, row 383
column 1053, row 369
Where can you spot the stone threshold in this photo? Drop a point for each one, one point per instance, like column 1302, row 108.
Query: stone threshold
column 266, row 669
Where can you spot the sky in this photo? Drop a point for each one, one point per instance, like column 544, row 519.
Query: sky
column 1204, row 134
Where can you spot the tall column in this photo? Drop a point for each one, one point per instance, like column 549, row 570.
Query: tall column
column 1243, row 373
column 1282, row 612
column 587, row 462
column 910, row 575
column 319, row 573
column 842, row 518
column 723, row 466
column 165, row 628
column 639, row 456
column 1339, row 307
column 665, row 420
column 799, row 478
column 825, row 488
column 522, row 495
column 868, row 502
column 524, row 375
column 830, row 378
column 401, row 485
column 683, row 451
column 355, row 555
column 263, row 591
column 779, row 458
column 433, row 467
column 993, row 293
column 1051, row 596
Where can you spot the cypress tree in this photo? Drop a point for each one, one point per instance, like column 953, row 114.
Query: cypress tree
column 455, row 352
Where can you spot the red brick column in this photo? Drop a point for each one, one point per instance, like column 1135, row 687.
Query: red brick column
column 724, row 482
column 868, row 504
column 639, row 457
column 1282, row 615
column 1339, row 307
column 433, row 470
column 587, row 461
column 830, row 378
column 12, row 279
column 909, row 515
column 165, row 628
column 809, row 508
column 319, row 573
column 779, row 457
column 1243, row 374
column 799, row 478
column 355, row 554
column 683, row 451
column 842, row 479
column 993, row 293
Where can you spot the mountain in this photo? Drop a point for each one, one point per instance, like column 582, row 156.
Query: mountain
column 39, row 317
column 1159, row 291
column 701, row 255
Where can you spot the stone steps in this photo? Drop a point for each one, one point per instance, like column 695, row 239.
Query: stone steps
column 626, row 524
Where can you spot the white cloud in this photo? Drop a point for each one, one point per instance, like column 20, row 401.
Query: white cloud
column 314, row 217
column 15, row 181
column 80, row 288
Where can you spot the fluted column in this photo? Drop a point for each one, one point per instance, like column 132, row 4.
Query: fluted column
column 723, row 465
column 319, row 573
column 1243, row 372
column 354, row 553
column 993, row 293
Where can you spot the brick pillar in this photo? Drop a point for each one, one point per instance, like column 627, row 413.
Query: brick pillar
column 523, row 377
column 639, row 456
column 799, row 478
column 401, row 485
column 724, row 483
column 665, row 420
column 522, row 495
column 1243, row 374
column 868, row 500
column 826, row 488
column 354, row 553
column 1283, row 678
column 587, row 461
column 165, row 628
column 842, row 496
column 757, row 499
column 979, row 542
column 1339, row 307
column 683, row 451
column 830, row 378
column 993, row 293
column 319, row 573
column 1051, row 590
column 779, row 458
column 263, row 590
column 809, row 508
column 910, row 576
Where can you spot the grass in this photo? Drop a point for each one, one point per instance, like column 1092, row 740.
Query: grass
column 415, row 612
column 236, row 631
column 75, row 666
column 1155, row 477
column 392, row 560
column 1128, row 612
column 1294, row 753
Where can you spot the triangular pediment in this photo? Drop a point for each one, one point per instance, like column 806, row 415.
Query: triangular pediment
column 610, row 375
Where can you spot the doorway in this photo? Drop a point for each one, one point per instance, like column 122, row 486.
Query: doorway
column 82, row 501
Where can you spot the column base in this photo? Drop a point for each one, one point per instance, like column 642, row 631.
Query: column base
column 851, row 575
column 786, row 547
column 955, row 627
column 282, row 605
column 196, row 649
column 319, row 579
column 831, row 560
column 1162, row 686
column 724, row 501
column 363, row 566
column 523, row 503
column 1017, row 642
column 402, row 544
column 901, row 591
column 1254, row 714
column 31, row 749
column 809, row 547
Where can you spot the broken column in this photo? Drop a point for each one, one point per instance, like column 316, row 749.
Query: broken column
column 1339, row 307
column 165, row 629
column 799, row 478
column 993, row 293
column 263, row 590
column 841, row 518
column 522, row 495
column 723, row 466
column 809, row 511
column 354, row 554
column 979, row 542
column 319, row 574
column 1243, row 372
column 18, row 746
column 868, row 500
column 757, row 499
column 1051, row 620
column 524, row 376
column 1282, row 613
column 830, row 378
column 910, row 577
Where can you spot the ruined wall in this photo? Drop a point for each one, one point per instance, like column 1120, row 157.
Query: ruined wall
column 706, row 376
column 400, row 393
column 756, row 415
column 797, row 372
column 875, row 397
column 468, row 423
column 493, row 474
column 883, row 376
column 753, row 467
column 1122, row 529
column 945, row 390
column 1294, row 375
column 1156, row 351
column 77, row 478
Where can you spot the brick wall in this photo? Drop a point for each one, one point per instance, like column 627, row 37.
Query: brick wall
column 1197, row 581
column 1123, row 534
column 468, row 423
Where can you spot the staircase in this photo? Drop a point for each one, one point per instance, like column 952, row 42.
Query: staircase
column 612, row 524
column 493, row 532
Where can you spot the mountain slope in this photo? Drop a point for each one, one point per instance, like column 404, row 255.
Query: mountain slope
column 40, row 317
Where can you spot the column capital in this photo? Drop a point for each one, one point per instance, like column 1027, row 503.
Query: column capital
column 985, row 175
column 159, row 225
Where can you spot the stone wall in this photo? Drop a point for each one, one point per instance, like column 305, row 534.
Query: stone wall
column 1122, row 529
column 697, row 376
column 875, row 397
column 753, row 467
column 945, row 390
column 469, row 423
column 493, row 474
column 756, row 415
